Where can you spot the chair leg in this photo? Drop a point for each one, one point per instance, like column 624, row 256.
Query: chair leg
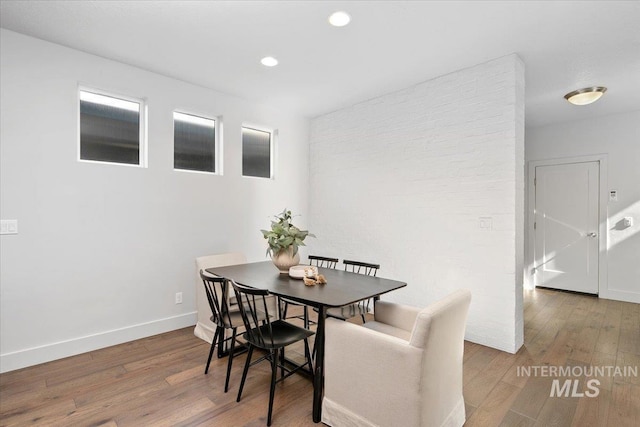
column 231, row 351
column 366, row 310
column 213, row 344
column 306, row 317
column 307, row 354
column 222, row 346
column 274, row 370
column 244, row 373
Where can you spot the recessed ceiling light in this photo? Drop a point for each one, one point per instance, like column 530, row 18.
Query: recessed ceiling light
column 269, row 61
column 339, row 19
column 585, row 96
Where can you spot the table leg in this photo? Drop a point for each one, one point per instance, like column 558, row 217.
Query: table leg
column 318, row 375
column 222, row 344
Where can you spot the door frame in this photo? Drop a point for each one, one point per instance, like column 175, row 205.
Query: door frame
column 602, row 216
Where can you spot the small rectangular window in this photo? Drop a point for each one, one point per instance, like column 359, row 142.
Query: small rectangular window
column 110, row 129
column 256, row 152
column 194, row 143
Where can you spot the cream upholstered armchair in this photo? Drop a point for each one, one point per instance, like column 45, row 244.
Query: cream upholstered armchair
column 205, row 327
column 403, row 369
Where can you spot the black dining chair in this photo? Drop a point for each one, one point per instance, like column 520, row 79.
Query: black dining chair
column 357, row 309
column 318, row 261
column 324, row 262
column 222, row 317
column 266, row 332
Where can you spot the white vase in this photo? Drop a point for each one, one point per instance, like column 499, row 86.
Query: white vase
column 285, row 259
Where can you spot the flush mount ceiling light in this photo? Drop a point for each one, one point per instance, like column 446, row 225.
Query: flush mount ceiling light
column 585, row 96
column 339, row 19
column 269, row 61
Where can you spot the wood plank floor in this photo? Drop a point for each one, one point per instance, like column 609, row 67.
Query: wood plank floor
column 160, row 381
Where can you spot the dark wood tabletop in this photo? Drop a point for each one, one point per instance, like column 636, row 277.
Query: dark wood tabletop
column 342, row 287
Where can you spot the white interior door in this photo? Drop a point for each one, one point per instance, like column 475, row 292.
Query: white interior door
column 566, row 226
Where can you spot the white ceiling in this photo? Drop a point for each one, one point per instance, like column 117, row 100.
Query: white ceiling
column 388, row 46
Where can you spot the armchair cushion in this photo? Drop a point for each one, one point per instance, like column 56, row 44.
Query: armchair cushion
column 397, row 315
column 388, row 330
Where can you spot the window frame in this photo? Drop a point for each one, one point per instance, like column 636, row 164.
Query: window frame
column 217, row 119
column 142, row 118
column 272, row 148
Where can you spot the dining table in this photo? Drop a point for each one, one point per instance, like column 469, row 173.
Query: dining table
column 342, row 288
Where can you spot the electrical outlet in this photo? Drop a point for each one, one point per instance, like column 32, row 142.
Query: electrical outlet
column 178, row 297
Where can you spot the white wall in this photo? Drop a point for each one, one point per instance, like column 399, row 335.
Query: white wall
column 102, row 249
column 404, row 179
column 617, row 137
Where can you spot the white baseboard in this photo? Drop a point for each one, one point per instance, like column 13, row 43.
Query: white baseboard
column 620, row 295
column 48, row 352
column 501, row 345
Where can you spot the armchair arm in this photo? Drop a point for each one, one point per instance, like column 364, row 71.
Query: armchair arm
column 368, row 372
column 397, row 315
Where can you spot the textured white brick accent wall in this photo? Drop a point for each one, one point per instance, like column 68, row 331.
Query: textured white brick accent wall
column 404, row 180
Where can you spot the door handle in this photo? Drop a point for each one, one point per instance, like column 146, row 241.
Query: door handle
column 592, row 235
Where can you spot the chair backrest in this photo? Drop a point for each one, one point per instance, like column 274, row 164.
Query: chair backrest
column 446, row 317
column 361, row 267
column 216, row 289
column 439, row 331
column 254, row 309
column 321, row 261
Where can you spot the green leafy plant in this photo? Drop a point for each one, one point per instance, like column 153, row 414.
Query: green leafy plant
column 284, row 234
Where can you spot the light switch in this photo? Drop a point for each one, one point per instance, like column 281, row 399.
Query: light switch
column 486, row 222
column 9, row 226
column 613, row 195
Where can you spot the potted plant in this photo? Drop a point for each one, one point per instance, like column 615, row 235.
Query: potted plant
column 284, row 238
